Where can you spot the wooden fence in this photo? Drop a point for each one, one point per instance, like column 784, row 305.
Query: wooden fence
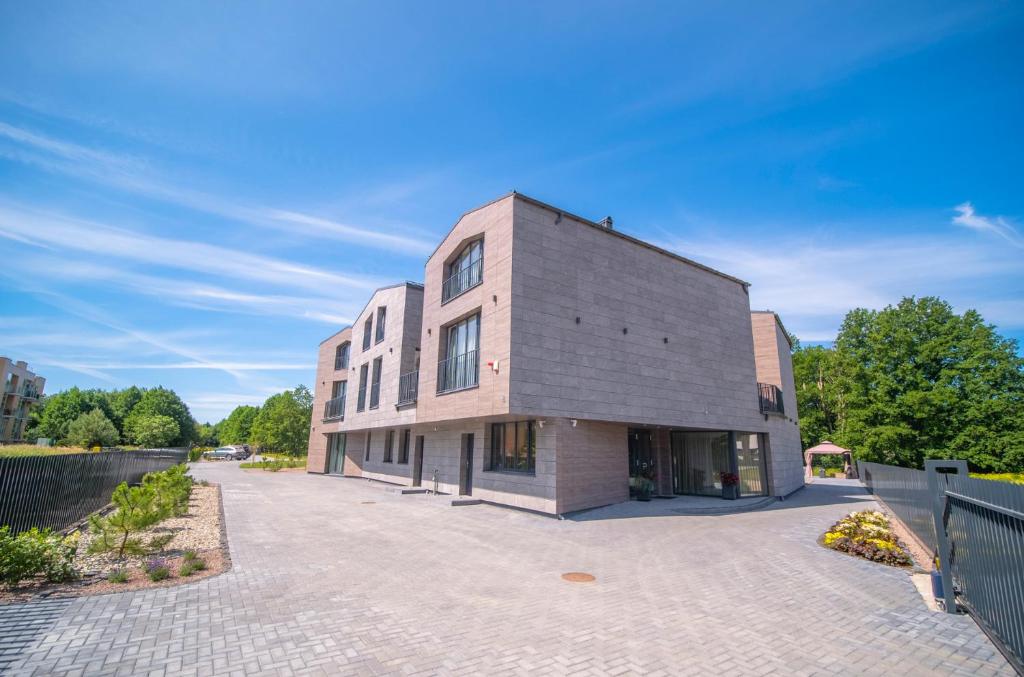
column 57, row 491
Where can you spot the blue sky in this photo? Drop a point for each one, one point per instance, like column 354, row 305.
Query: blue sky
column 196, row 194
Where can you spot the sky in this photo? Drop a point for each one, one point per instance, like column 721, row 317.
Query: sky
column 195, row 194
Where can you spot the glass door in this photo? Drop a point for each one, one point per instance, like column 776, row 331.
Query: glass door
column 750, row 459
column 641, row 463
column 336, row 453
column 698, row 461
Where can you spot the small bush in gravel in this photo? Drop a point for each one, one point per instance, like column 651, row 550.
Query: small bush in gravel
column 118, row 576
column 33, row 553
column 157, row 543
column 868, row 535
column 190, row 555
column 157, row 570
column 189, row 567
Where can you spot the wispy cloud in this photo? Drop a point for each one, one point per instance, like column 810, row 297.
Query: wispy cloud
column 996, row 225
column 131, row 174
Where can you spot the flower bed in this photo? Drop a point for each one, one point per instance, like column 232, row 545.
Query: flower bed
column 867, row 534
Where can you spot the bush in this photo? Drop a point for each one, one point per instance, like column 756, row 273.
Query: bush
column 867, row 534
column 191, row 564
column 157, row 570
column 273, row 465
column 33, row 553
column 93, row 429
column 173, row 488
column 157, row 543
column 155, row 430
column 118, row 576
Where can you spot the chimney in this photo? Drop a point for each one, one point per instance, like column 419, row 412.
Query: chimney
column 606, row 222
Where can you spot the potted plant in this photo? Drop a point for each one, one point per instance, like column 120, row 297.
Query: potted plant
column 730, row 485
column 646, row 487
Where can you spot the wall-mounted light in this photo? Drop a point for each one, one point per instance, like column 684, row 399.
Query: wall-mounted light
column 540, row 424
column 573, row 421
column 625, row 330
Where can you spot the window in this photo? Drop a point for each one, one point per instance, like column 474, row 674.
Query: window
column 513, row 447
column 367, row 330
column 460, row 368
column 335, row 407
column 366, row 451
column 382, row 314
column 465, row 272
column 403, row 451
column 375, row 384
column 341, row 356
column 361, row 402
column 389, row 445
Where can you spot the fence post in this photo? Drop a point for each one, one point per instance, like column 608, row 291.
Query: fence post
column 937, row 489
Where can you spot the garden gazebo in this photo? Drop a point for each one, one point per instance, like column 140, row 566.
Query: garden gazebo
column 827, row 448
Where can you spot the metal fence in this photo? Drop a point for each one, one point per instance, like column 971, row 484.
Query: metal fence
column 57, row 491
column 977, row 528
column 905, row 492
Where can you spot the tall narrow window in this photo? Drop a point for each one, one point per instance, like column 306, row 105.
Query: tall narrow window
column 375, row 384
column 464, row 272
column 461, row 366
column 513, row 447
column 361, row 402
column 389, row 445
column 382, row 313
column 367, row 331
column 335, row 407
column 403, row 450
column 341, row 356
column 366, row 450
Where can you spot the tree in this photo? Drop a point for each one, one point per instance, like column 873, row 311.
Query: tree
column 161, row 402
column 92, row 429
column 59, row 412
column 237, row 427
column 208, row 435
column 283, row 422
column 155, row 431
column 121, row 404
column 917, row 381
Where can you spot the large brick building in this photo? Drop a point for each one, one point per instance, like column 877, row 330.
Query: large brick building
column 555, row 364
column 21, row 392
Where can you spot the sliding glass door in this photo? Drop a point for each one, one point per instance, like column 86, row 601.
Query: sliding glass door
column 698, row 461
column 750, row 461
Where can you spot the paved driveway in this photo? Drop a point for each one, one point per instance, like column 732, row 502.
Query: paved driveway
column 336, row 576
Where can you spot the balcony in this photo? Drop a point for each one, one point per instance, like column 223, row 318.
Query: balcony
column 361, row 402
column 770, row 399
column 408, row 385
column 462, row 280
column 335, row 409
column 458, row 372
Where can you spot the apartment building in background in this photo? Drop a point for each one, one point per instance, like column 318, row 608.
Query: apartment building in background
column 555, row 364
column 21, row 391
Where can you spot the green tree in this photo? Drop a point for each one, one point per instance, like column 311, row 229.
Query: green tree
column 59, row 411
column 92, row 429
column 917, row 381
column 155, row 431
column 237, row 427
column 121, row 404
column 161, row 402
column 283, row 422
column 208, row 435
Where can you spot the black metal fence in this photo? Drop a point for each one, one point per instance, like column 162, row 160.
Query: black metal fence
column 59, row 490
column 977, row 529
column 905, row 492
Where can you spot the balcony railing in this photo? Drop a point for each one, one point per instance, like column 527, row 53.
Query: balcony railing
column 770, row 399
column 341, row 361
column 374, row 395
column 408, row 385
column 458, row 372
column 461, row 280
column 334, row 408
column 361, row 402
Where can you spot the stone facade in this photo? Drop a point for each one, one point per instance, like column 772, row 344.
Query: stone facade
column 584, row 331
column 21, row 392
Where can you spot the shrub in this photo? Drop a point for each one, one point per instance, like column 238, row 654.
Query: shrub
column 158, row 543
column 34, row 552
column 155, row 430
column 190, row 555
column 118, row 576
column 194, row 454
column 157, row 570
column 137, row 510
column 173, row 488
column 867, row 534
column 93, row 429
column 191, row 565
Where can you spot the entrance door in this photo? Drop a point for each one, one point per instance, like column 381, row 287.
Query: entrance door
column 642, row 472
column 417, row 462
column 466, row 466
column 698, row 461
column 336, row 453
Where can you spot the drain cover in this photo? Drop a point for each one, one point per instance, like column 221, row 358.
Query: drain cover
column 578, row 577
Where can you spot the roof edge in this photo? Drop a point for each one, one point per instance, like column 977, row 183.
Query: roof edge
column 778, row 321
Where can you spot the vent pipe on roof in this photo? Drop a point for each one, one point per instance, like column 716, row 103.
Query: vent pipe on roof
column 606, row 222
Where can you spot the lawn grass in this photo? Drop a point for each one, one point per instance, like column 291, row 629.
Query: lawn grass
column 1012, row 477
column 11, row 450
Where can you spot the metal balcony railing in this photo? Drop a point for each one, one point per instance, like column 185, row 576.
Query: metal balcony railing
column 334, row 408
column 374, row 395
column 463, row 279
column 341, row 360
column 361, row 402
column 770, row 398
column 458, row 372
column 408, row 385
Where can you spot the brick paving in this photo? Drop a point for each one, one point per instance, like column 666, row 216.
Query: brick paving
column 325, row 583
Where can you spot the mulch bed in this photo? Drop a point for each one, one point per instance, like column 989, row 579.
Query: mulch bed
column 201, row 530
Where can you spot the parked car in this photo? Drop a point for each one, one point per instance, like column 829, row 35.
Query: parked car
column 242, row 450
column 223, row 454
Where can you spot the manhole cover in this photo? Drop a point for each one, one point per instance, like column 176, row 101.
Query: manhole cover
column 369, row 502
column 578, row 577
